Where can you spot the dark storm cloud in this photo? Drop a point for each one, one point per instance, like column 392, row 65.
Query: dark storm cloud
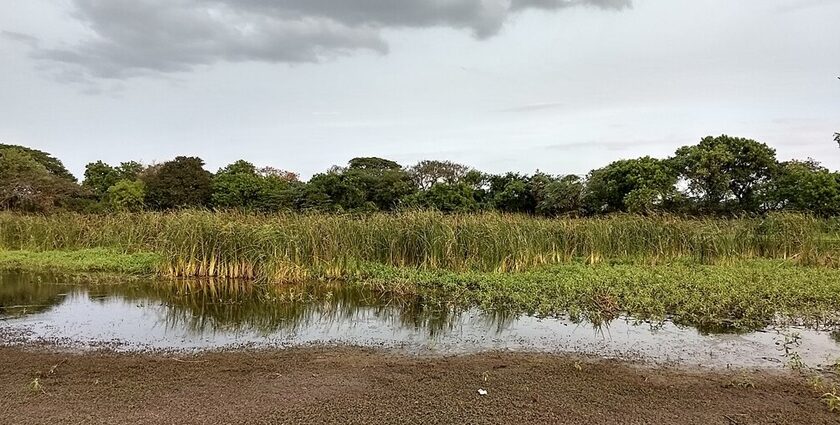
column 133, row 37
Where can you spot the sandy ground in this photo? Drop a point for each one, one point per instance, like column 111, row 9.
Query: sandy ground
column 347, row 386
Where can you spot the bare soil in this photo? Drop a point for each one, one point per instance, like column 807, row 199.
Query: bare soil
column 349, row 386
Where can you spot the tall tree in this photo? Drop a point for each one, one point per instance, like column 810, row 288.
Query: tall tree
column 100, row 176
column 511, row 192
column 383, row 182
column 27, row 184
column 126, row 195
column 805, row 186
column 50, row 163
column 427, row 173
column 562, row 196
column 637, row 185
column 241, row 185
column 182, row 182
column 721, row 170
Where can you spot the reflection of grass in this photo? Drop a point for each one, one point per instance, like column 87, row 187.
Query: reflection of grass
column 211, row 305
column 85, row 261
column 738, row 296
column 22, row 294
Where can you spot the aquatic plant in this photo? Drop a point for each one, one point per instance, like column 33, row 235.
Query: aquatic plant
column 297, row 246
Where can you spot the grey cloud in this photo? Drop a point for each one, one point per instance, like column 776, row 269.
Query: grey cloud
column 135, row 37
column 20, row 38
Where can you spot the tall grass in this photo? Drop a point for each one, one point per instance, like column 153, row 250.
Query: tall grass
column 297, row 246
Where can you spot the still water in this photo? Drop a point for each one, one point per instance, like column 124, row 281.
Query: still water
column 136, row 316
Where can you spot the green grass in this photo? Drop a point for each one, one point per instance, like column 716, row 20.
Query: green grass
column 81, row 261
column 747, row 295
column 711, row 273
column 297, row 246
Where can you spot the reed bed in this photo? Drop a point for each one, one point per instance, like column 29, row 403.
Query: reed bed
column 298, row 246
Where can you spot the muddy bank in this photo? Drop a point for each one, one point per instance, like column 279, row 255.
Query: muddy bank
column 344, row 385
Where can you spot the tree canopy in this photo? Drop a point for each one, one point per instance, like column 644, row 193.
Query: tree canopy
column 718, row 175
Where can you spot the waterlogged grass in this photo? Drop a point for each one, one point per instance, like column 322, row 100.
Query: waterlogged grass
column 274, row 248
column 81, row 261
column 711, row 273
column 743, row 296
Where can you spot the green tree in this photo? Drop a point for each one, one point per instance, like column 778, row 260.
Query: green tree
column 458, row 197
column 428, row 172
column 511, row 192
column 721, row 170
column 562, row 196
column 382, row 182
column 641, row 185
column 237, row 186
column 50, row 163
column 126, row 195
column 130, row 170
column 241, row 185
column 182, row 182
column 100, row 176
column 806, row 186
column 28, row 185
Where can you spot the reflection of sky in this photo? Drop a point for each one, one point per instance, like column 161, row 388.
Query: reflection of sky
column 138, row 322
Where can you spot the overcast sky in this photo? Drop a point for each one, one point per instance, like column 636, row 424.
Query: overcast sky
column 562, row 86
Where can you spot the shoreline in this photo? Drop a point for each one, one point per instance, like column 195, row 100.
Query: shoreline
column 741, row 296
column 353, row 385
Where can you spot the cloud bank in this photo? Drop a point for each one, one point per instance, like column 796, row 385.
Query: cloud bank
column 141, row 37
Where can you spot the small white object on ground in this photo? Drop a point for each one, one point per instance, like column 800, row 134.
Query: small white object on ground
column 482, row 392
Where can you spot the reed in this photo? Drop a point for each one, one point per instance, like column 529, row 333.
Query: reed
column 297, row 246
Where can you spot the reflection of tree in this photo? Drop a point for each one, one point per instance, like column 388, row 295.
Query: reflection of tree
column 22, row 293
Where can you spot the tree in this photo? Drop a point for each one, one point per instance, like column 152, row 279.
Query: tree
column 236, row 186
column 241, row 185
column 562, row 196
column 837, row 138
column 806, row 186
column 100, row 176
column 126, row 195
column 50, row 163
column 640, row 185
column 28, row 185
column 723, row 169
column 382, row 183
column 511, row 192
column 182, row 182
column 427, row 173
column 458, row 197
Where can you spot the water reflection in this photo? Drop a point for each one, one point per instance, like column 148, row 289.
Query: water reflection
column 209, row 315
column 212, row 306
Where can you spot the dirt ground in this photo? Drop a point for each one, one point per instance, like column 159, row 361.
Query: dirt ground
column 348, row 386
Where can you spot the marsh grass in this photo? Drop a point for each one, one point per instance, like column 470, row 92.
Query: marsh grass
column 298, row 246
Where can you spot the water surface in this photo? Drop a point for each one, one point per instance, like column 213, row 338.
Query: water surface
column 135, row 316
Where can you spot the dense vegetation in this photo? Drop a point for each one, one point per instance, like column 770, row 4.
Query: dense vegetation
column 710, row 272
column 718, row 176
column 280, row 247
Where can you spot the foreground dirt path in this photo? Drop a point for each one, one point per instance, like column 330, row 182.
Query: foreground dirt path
column 320, row 385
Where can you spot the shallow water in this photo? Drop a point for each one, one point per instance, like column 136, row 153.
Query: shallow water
column 152, row 316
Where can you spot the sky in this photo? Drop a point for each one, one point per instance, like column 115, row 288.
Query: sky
column 560, row 86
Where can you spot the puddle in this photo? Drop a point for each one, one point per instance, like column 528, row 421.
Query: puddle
column 146, row 316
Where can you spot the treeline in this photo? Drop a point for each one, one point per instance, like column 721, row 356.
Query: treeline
column 720, row 175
